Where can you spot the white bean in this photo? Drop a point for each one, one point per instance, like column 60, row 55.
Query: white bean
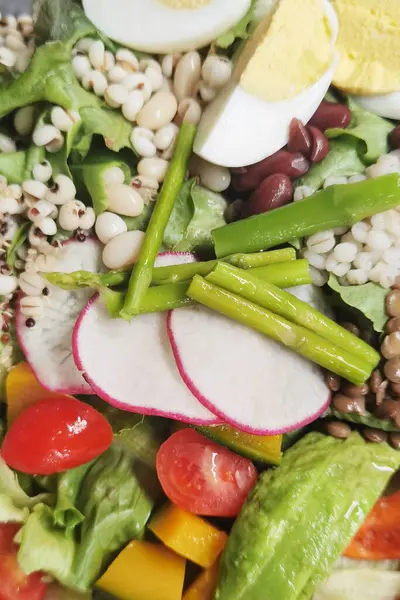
column 8, row 284
column 31, row 284
column 116, row 95
column 116, row 74
column 84, row 44
column 8, row 57
column 56, row 144
column 158, row 112
column 61, row 119
column 81, row 66
column 127, row 60
column 321, row 242
column 316, row 260
column 10, row 205
column 169, row 63
column 187, row 75
column 155, row 77
column 42, row 209
column 302, row 192
column 7, row 145
column 24, row 120
column 189, row 111
column 360, row 231
column 364, row 261
column 378, row 240
column 109, row 225
column 109, row 61
column 153, row 168
column 133, row 105
column 88, row 219
column 36, row 189
column 124, row 200
column 96, row 54
column 216, row 71
column 113, row 175
column 42, row 171
column 96, row 81
column 142, row 141
column 44, row 135
column 166, row 136
column 357, row 276
column 213, row 177
column 32, row 306
column 123, row 250
column 70, row 215
column 345, row 252
column 138, row 81
column 15, row 190
column 207, row 94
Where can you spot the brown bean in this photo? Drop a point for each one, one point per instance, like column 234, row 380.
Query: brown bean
column 375, row 381
column 299, row 138
column 333, row 381
column 395, row 389
column 396, row 284
column 338, row 430
column 351, row 327
column 320, row 144
column 394, row 137
column 389, row 409
column 331, row 114
column 392, row 370
column 393, row 325
column 355, row 390
column 392, row 303
column 274, row 191
column 293, row 165
column 381, row 393
column 391, row 345
column 375, row 435
column 345, row 404
column 394, row 439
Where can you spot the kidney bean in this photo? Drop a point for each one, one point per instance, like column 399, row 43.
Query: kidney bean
column 394, row 439
column 275, row 191
column 375, row 435
column 375, row 381
column 331, row 114
column 299, row 138
column 394, row 137
column 293, row 165
column 320, row 144
column 338, row 430
column 333, row 381
column 345, row 404
column 389, row 409
column 354, row 391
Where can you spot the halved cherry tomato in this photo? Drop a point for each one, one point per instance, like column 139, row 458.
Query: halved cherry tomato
column 55, row 435
column 14, row 584
column 203, row 477
column 379, row 537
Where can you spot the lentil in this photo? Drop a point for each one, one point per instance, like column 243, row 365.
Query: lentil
column 375, row 436
column 346, row 404
column 338, row 429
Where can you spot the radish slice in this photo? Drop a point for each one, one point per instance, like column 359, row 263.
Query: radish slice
column 131, row 365
column 247, row 379
column 48, row 345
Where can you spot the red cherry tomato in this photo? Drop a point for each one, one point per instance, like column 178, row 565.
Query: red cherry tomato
column 54, row 435
column 202, row 477
column 14, row 583
column 379, row 537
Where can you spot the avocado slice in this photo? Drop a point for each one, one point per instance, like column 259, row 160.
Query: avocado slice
column 261, row 448
column 300, row 517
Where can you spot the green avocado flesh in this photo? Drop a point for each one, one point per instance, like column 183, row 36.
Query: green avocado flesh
column 300, row 517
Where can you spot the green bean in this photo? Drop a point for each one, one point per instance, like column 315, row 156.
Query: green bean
column 285, row 275
column 301, row 340
column 261, row 259
column 142, row 273
column 156, row 299
column 284, row 304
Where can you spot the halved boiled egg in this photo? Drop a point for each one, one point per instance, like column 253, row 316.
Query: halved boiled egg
column 384, row 105
column 165, row 26
column 283, row 73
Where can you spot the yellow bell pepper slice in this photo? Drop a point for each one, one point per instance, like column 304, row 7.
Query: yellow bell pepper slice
column 145, row 571
column 203, row 588
column 23, row 389
column 188, row 535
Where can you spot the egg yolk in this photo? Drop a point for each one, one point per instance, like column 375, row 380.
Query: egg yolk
column 186, row 3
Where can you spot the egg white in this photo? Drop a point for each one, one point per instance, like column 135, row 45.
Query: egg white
column 153, row 26
column 385, row 105
column 239, row 129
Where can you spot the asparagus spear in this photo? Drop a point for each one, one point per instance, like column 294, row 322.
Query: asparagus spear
column 142, row 273
column 174, row 295
column 301, row 340
column 269, row 296
column 336, row 206
column 261, row 259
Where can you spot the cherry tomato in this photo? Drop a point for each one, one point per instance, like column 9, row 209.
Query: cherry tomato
column 14, row 583
column 54, row 435
column 379, row 537
column 202, row 477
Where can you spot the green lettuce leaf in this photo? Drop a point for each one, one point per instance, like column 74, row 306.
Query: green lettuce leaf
column 140, row 223
column 369, row 420
column 342, row 161
column 66, row 515
column 17, row 166
column 18, row 240
column 92, row 175
column 62, row 20
column 242, row 29
column 10, row 487
column 369, row 299
column 196, row 213
column 9, row 513
column 368, row 130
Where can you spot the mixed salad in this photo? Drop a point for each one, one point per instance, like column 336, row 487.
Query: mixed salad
column 200, row 300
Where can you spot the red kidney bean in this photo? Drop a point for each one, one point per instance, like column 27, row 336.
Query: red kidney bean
column 275, row 191
column 320, row 144
column 299, row 138
column 293, row 165
column 394, row 137
column 331, row 114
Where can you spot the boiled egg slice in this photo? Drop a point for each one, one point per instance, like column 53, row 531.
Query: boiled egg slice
column 384, row 105
column 165, row 26
column 242, row 126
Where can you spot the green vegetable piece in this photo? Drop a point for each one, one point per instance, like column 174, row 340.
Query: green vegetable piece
column 142, row 272
column 17, row 166
column 342, row 161
column 335, row 206
column 66, row 515
column 9, row 513
column 10, row 487
column 301, row 340
column 262, row 259
column 285, row 275
column 300, row 517
column 18, row 240
column 61, row 20
column 241, row 30
column 368, row 299
column 368, row 130
column 369, row 420
column 93, row 179
column 247, row 285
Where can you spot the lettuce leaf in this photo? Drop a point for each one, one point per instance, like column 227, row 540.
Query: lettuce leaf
column 92, row 175
column 62, row 20
column 17, row 166
column 342, row 161
column 9, row 513
column 18, row 240
column 10, row 487
column 369, row 299
column 242, row 29
column 368, row 130
column 368, row 420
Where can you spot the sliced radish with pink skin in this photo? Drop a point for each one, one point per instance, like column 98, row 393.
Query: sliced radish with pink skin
column 131, row 365
column 48, row 345
column 247, row 379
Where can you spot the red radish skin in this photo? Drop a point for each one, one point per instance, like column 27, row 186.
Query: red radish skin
column 157, row 402
column 60, row 375
column 263, row 421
